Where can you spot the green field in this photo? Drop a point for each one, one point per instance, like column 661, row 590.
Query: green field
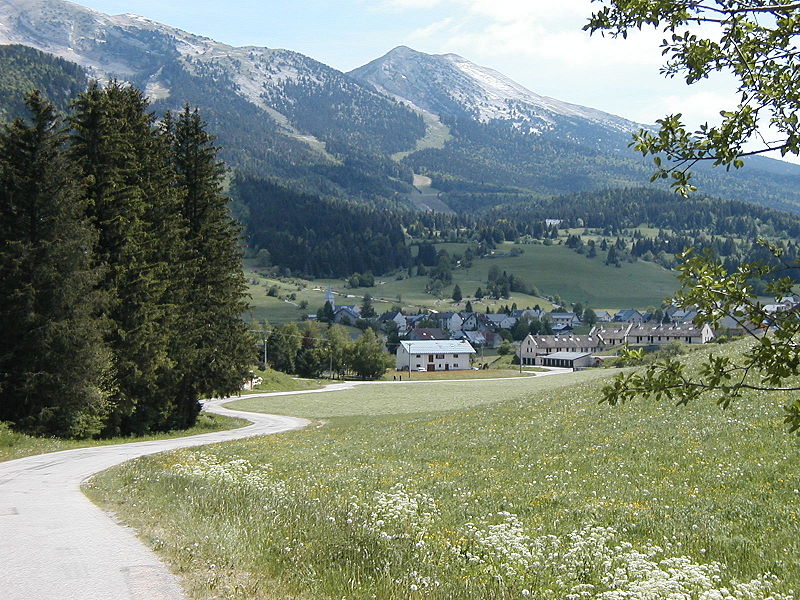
column 554, row 270
column 487, row 490
column 392, row 398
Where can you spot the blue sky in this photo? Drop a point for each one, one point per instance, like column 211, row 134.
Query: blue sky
column 538, row 43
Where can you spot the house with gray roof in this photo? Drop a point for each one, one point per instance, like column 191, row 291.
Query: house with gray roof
column 535, row 346
column 657, row 334
column 564, row 318
column 629, row 315
column 434, row 355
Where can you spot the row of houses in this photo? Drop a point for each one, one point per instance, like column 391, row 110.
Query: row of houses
column 452, row 321
column 535, row 349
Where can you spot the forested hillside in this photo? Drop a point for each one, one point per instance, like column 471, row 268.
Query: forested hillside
column 486, row 164
column 24, row 69
column 616, row 209
column 320, row 237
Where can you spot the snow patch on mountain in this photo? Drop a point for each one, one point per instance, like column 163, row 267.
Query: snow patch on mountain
column 451, row 84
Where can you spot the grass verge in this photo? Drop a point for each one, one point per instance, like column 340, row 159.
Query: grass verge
column 275, row 381
column 539, row 492
column 417, row 396
column 18, row 445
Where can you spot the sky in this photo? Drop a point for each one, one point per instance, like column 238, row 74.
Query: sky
column 538, row 43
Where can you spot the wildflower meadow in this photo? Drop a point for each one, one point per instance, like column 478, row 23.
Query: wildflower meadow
column 535, row 491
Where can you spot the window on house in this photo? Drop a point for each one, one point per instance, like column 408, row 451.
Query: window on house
column 440, row 356
column 455, row 355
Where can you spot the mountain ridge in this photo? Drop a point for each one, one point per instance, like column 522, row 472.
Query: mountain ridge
column 281, row 115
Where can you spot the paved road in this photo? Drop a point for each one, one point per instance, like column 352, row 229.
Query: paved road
column 56, row 545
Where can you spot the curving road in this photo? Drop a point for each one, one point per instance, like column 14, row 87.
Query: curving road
column 56, row 545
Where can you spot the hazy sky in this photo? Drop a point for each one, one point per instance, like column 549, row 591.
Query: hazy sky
column 538, row 43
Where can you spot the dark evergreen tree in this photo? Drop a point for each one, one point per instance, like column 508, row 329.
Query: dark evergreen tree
column 325, row 314
column 213, row 350
column 133, row 203
column 367, row 310
column 457, row 296
column 53, row 363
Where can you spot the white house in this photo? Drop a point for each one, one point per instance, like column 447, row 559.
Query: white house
column 452, row 321
column 434, row 355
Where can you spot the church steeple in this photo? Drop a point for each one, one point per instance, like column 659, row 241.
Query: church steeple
column 329, row 298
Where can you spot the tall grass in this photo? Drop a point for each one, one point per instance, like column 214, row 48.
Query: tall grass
column 542, row 494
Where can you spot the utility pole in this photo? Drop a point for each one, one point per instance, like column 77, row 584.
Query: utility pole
column 264, row 334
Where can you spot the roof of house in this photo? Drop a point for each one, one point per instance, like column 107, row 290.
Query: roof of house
column 626, row 314
column 498, row 318
column 670, row 329
column 568, row 355
column 389, row 316
column 562, row 315
column 561, row 341
column 429, row 333
column 438, row 347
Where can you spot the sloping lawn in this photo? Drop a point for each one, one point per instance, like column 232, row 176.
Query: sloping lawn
column 521, row 488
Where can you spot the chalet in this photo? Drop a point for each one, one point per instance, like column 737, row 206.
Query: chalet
column 451, row 321
column 475, row 338
column 395, row 317
column 527, row 313
column 437, row 355
column 535, row 346
column 474, row 322
column 346, row 315
column 657, row 334
column 612, row 335
column 680, row 315
column 493, row 340
column 603, row 316
column 629, row 315
column 564, row 318
column 500, row 321
column 413, row 320
column 735, row 328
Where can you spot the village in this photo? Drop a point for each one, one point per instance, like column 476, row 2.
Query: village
column 454, row 340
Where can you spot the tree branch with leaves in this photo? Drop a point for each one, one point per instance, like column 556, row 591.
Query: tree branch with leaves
column 753, row 40
column 770, row 364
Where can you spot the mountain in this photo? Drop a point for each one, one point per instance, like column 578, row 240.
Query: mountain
column 276, row 113
column 477, row 137
column 24, row 69
column 508, row 143
column 449, row 85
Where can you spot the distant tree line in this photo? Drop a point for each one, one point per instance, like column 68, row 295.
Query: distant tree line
column 320, row 237
column 121, row 286
column 307, row 351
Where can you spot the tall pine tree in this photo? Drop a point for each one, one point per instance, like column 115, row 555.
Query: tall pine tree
column 133, row 203
column 214, row 351
column 53, row 363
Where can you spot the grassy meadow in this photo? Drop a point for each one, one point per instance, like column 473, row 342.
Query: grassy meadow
column 590, row 281
column 487, row 489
